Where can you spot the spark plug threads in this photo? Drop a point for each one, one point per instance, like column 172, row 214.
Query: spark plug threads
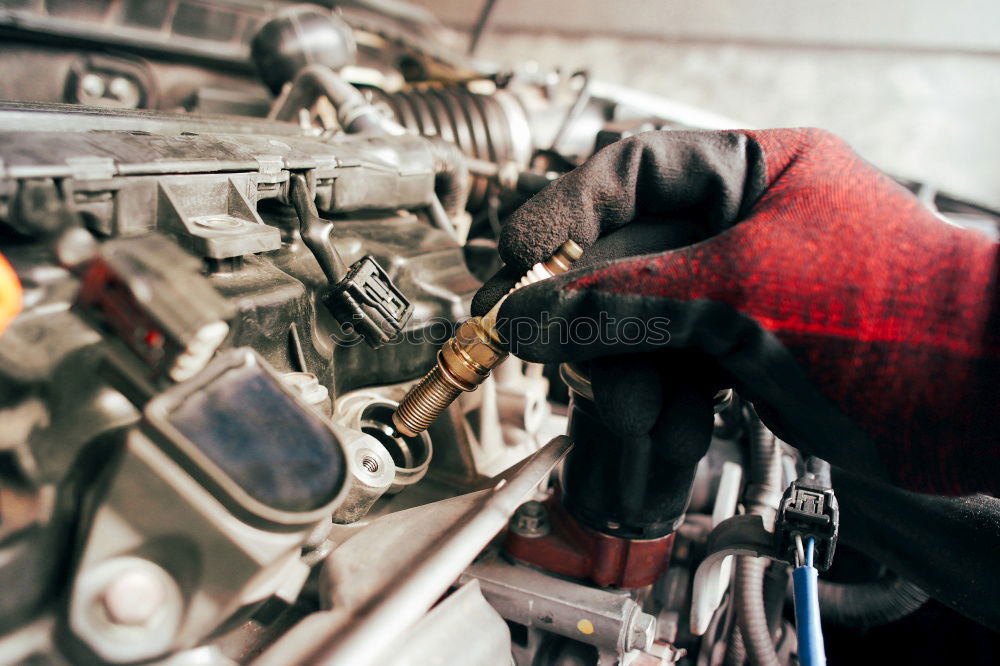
column 465, row 361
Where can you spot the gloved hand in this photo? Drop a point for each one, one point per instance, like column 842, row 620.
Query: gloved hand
column 863, row 327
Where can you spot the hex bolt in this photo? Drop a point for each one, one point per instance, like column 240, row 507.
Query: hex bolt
column 530, row 520
column 642, row 632
column 133, row 598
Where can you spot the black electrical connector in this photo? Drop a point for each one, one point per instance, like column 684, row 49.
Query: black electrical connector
column 809, row 509
column 363, row 296
column 367, row 301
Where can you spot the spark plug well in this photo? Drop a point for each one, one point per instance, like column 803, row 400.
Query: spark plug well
column 465, row 361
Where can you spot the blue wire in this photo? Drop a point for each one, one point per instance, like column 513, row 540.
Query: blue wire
column 807, row 626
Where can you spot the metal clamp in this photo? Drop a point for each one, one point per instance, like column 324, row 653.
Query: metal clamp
column 808, row 509
column 739, row 535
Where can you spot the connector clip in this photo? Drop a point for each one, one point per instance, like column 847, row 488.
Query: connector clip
column 809, row 509
column 369, row 303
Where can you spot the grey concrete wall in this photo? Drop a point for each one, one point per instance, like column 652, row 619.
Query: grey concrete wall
column 908, row 24
column 913, row 85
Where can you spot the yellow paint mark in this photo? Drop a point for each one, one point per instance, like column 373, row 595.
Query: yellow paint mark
column 585, row 627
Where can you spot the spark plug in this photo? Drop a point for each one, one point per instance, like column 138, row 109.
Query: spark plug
column 465, row 361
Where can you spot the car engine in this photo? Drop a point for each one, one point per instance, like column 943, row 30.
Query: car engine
column 242, row 233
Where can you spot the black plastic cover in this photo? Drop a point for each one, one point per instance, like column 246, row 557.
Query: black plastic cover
column 278, row 451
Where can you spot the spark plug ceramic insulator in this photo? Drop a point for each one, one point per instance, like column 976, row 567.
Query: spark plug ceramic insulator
column 465, row 361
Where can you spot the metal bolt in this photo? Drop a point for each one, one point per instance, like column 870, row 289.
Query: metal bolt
column 75, row 246
column 123, row 90
column 133, row 598
column 530, row 520
column 92, row 85
column 642, row 633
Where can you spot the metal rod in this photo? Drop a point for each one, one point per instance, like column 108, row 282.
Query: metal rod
column 480, row 27
column 363, row 637
column 440, row 219
column 298, row 353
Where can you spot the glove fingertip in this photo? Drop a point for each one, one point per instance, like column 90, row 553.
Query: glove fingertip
column 524, row 241
column 524, row 322
column 494, row 289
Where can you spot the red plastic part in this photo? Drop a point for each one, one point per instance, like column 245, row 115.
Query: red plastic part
column 571, row 549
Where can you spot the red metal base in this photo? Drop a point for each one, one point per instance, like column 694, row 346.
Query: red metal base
column 571, row 549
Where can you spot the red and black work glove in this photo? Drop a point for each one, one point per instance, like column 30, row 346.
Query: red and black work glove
column 863, row 327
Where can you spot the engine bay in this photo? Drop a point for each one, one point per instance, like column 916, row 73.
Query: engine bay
column 242, row 233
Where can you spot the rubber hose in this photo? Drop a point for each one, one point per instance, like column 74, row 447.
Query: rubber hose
column 357, row 116
column 736, row 652
column 313, row 81
column 764, row 491
column 871, row 604
column 451, row 176
column 750, row 611
column 354, row 113
column 762, row 497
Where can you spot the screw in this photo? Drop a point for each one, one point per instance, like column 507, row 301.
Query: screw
column 530, row 520
column 133, row 598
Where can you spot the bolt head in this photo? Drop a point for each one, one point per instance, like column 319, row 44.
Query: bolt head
column 133, row 598
column 643, row 632
column 530, row 520
column 92, row 85
column 124, row 90
column 476, row 344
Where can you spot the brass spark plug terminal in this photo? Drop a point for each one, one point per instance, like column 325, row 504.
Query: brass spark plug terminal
column 465, row 361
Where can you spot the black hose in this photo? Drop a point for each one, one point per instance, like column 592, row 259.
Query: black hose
column 357, row 116
column 885, row 600
column 750, row 613
column 354, row 113
column 736, row 651
column 763, row 494
column 764, row 476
